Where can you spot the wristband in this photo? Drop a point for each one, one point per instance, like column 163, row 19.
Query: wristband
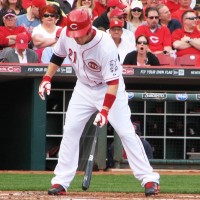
column 109, row 100
column 47, row 78
column 104, row 112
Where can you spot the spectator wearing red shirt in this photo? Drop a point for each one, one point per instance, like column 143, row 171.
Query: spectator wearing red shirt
column 187, row 39
column 100, row 7
column 159, row 36
column 184, row 5
column 9, row 31
column 173, row 5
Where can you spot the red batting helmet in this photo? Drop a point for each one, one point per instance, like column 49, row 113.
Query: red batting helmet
column 78, row 23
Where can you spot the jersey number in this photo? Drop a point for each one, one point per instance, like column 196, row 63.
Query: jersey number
column 72, row 56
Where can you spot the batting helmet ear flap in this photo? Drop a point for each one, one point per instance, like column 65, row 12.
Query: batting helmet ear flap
column 78, row 23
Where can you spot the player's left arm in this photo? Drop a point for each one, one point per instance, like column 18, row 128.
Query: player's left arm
column 109, row 99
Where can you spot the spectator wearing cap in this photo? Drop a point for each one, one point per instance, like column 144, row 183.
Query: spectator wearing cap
column 123, row 44
column 165, row 18
column 21, row 53
column 135, row 16
column 14, row 5
column 119, row 14
column 159, row 36
column 48, row 52
column 31, row 18
column 103, row 21
column 141, row 57
column 187, row 39
column 9, row 31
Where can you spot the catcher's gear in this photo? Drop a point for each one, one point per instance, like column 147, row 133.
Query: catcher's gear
column 78, row 23
column 101, row 118
column 45, row 86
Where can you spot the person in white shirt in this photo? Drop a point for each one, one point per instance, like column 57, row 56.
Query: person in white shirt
column 123, row 45
column 127, row 43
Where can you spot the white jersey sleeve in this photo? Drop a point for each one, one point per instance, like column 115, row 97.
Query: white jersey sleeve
column 95, row 62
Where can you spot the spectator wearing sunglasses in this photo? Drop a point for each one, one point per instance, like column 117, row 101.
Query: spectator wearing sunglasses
column 135, row 16
column 141, row 57
column 165, row 18
column 44, row 34
column 9, row 31
column 159, row 36
column 187, row 39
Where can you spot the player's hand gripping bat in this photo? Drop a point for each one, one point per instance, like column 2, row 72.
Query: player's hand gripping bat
column 90, row 162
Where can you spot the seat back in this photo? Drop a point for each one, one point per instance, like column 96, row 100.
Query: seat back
column 187, row 60
column 165, row 59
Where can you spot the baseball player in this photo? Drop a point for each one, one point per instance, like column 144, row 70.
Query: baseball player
column 100, row 86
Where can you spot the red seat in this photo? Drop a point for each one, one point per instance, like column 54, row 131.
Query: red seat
column 187, row 60
column 165, row 59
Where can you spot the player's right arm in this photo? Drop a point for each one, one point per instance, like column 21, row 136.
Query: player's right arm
column 45, row 85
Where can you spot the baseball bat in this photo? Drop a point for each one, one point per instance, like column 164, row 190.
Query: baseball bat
column 90, row 162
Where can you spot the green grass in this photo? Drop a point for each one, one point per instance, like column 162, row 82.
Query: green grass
column 100, row 183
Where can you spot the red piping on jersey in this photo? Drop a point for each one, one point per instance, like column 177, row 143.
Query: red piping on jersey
column 89, row 49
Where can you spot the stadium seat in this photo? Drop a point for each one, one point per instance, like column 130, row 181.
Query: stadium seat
column 187, row 60
column 165, row 59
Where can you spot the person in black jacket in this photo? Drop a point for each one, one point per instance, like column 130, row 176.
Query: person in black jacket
column 142, row 56
column 103, row 22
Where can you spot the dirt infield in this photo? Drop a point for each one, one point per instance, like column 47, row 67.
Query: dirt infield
column 30, row 195
column 38, row 195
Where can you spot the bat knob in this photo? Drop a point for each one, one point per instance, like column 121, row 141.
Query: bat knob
column 84, row 188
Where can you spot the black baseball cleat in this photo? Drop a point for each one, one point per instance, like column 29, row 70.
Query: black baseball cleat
column 151, row 188
column 57, row 189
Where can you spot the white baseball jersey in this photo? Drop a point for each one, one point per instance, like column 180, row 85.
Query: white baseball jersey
column 94, row 63
column 92, row 66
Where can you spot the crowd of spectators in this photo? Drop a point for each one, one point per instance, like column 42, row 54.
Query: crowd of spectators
column 141, row 29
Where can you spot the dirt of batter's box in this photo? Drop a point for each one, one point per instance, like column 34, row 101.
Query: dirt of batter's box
column 36, row 195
